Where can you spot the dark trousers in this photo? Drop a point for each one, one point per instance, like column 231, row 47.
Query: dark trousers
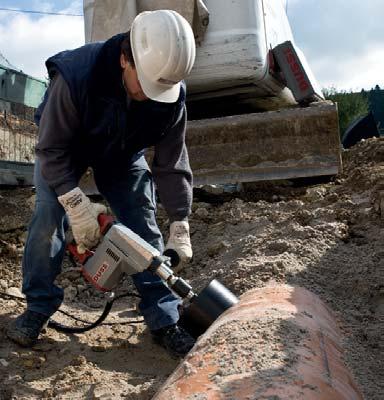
column 130, row 194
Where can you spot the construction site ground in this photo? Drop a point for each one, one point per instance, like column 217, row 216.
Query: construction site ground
column 327, row 237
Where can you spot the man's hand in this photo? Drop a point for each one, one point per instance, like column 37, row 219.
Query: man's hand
column 82, row 216
column 179, row 240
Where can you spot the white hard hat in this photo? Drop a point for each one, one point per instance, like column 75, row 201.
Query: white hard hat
column 163, row 48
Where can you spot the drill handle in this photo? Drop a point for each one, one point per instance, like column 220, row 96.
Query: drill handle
column 105, row 221
column 79, row 258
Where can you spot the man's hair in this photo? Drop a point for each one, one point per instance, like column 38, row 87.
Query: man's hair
column 126, row 49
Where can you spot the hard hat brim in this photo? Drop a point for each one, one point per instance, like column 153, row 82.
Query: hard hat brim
column 158, row 91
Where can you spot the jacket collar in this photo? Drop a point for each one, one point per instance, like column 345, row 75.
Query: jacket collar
column 105, row 79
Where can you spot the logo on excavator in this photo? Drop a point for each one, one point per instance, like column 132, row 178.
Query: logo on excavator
column 298, row 73
column 104, row 266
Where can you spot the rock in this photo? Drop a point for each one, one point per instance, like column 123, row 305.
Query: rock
column 81, row 288
column 333, row 197
column 3, row 362
column 303, row 217
column 70, row 293
column 100, row 394
column 14, row 291
column 3, row 284
column 237, row 203
column 64, row 283
column 201, row 212
column 11, row 304
column 315, row 193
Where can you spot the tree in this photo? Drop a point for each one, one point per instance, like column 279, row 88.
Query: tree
column 376, row 105
column 350, row 106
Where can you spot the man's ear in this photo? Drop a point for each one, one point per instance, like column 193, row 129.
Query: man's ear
column 123, row 61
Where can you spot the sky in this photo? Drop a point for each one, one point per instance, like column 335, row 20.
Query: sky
column 343, row 40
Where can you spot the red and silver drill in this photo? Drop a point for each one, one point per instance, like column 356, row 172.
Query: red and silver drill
column 121, row 251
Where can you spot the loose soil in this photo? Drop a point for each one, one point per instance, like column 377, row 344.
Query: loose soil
column 327, row 237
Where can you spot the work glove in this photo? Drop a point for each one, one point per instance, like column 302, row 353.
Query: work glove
column 179, row 240
column 82, row 216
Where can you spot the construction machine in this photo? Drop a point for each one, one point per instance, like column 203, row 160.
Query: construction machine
column 255, row 109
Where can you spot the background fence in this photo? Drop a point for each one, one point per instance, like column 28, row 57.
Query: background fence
column 20, row 94
column 17, row 144
column 17, row 138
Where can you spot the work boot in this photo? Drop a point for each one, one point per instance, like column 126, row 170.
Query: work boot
column 25, row 329
column 174, row 339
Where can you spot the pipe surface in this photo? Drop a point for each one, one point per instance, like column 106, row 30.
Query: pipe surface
column 278, row 342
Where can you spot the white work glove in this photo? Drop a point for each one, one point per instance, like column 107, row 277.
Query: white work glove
column 179, row 240
column 82, row 216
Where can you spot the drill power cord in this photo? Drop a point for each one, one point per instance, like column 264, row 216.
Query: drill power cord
column 90, row 325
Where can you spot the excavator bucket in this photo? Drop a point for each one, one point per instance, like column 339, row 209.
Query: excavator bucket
column 284, row 144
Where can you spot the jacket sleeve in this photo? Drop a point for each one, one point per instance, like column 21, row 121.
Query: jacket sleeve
column 172, row 172
column 58, row 125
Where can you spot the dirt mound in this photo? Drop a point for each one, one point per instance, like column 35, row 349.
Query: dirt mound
column 326, row 237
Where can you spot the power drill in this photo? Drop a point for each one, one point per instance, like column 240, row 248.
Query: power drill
column 121, row 251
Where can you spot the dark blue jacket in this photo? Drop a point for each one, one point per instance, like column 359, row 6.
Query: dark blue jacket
column 110, row 131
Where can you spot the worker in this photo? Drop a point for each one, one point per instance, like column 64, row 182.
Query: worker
column 106, row 103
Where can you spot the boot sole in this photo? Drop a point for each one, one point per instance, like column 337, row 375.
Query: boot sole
column 20, row 339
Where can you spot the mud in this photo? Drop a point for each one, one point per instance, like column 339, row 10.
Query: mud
column 327, row 237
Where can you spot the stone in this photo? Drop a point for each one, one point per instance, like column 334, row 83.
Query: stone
column 315, row 193
column 14, row 291
column 70, row 293
column 3, row 362
column 202, row 212
column 3, row 284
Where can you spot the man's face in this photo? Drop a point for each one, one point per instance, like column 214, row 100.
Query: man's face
column 131, row 82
